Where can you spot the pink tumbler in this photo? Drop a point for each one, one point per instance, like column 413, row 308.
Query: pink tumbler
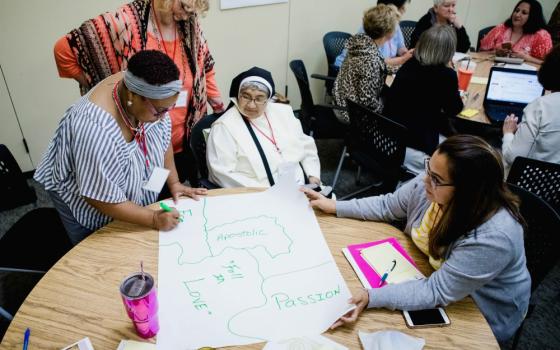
column 138, row 292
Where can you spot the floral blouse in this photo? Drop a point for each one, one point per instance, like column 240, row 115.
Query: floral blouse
column 536, row 45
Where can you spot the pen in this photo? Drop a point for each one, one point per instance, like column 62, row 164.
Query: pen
column 386, row 274
column 168, row 209
column 26, row 338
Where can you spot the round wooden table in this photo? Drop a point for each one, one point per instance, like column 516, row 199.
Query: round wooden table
column 79, row 297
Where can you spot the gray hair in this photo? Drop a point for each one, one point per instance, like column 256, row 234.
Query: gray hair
column 256, row 86
column 436, row 45
column 439, row 2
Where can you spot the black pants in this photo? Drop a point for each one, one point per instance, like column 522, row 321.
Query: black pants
column 185, row 164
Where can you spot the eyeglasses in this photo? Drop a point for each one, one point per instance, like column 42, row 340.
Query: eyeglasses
column 435, row 182
column 157, row 113
column 259, row 100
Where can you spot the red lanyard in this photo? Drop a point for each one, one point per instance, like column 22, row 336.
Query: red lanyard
column 161, row 34
column 139, row 132
column 271, row 139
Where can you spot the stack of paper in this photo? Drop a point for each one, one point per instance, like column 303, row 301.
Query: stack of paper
column 383, row 257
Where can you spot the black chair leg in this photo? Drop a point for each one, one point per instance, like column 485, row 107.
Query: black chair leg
column 339, row 168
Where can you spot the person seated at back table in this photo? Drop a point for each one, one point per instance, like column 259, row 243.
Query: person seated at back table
column 442, row 13
column 462, row 215
column 424, row 94
column 394, row 50
column 254, row 120
column 538, row 134
column 522, row 35
column 363, row 73
column 110, row 143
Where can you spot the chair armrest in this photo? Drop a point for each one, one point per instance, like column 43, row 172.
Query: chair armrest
column 323, row 77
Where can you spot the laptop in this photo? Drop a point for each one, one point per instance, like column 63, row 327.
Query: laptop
column 509, row 90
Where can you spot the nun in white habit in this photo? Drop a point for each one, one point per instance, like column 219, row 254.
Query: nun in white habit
column 255, row 138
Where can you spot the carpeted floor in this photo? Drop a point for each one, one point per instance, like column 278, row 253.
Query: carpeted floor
column 541, row 331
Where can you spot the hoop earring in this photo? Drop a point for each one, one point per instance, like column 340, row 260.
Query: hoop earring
column 129, row 103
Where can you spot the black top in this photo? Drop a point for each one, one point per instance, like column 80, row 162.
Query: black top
column 427, row 21
column 422, row 98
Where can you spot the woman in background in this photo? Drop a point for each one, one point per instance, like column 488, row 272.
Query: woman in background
column 462, row 215
column 522, row 35
column 443, row 13
column 425, row 111
column 102, row 46
column 538, row 134
column 109, row 144
column 363, row 73
column 255, row 123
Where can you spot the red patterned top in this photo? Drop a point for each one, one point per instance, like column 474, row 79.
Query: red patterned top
column 536, row 45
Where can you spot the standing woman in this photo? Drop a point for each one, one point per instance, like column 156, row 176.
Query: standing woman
column 102, row 46
column 462, row 215
column 110, row 143
column 524, row 32
column 443, row 13
column 363, row 72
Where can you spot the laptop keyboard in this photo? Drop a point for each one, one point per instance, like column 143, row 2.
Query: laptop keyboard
column 499, row 113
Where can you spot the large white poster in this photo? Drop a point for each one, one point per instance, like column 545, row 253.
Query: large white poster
column 246, row 268
column 229, row 4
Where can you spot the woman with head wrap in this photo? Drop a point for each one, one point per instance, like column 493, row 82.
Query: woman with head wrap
column 110, row 147
column 249, row 144
column 103, row 45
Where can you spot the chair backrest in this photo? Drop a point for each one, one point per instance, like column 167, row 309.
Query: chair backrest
column 541, row 237
column 538, row 177
column 306, row 109
column 14, row 190
column 334, row 44
column 198, row 143
column 489, row 132
column 407, row 27
column 376, row 143
column 481, row 34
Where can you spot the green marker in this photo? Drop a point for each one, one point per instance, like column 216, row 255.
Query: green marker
column 168, row 209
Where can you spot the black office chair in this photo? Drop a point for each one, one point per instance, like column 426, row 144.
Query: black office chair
column 198, row 147
column 377, row 144
column 14, row 190
column 538, row 177
column 407, row 27
column 333, row 42
column 489, row 132
column 27, row 251
column 541, row 241
column 481, row 34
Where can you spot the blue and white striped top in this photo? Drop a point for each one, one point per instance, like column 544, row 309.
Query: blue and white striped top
column 89, row 157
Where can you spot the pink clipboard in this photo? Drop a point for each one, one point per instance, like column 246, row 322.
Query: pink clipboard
column 362, row 268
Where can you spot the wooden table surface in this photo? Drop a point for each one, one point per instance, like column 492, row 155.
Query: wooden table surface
column 79, row 296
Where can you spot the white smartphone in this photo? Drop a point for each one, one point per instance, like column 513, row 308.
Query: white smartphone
column 426, row 318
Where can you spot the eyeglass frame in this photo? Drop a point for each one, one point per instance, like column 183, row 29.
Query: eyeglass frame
column 434, row 181
column 254, row 100
column 154, row 111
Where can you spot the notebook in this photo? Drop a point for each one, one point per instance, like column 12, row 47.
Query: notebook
column 370, row 261
column 509, row 91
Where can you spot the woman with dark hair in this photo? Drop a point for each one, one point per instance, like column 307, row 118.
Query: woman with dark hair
column 256, row 136
column 103, row 45
column 522, row 35
column 538, row 134
column 442, row 13
column 461, row 214
column 107, row 156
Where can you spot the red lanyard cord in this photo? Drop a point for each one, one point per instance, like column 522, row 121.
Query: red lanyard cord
column 271, row 138
column 139, row 132
column 161, row 34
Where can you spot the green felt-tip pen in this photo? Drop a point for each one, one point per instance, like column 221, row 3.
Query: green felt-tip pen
column 168, row 209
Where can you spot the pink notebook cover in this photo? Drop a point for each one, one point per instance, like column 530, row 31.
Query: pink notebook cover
column 371, row 276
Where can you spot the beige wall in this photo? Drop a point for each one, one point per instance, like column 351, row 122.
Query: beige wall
column 267, row 36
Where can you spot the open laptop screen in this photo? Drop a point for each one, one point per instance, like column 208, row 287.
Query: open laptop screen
column 514, row 86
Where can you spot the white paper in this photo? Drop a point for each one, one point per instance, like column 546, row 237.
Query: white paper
column 156, row 180
column 390, row 339
column 524, row 66
column 229, row 4
column 247, row 268
column 317, row 342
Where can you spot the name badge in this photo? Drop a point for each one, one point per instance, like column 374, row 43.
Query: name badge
column 182, row 99
column 156, row 180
